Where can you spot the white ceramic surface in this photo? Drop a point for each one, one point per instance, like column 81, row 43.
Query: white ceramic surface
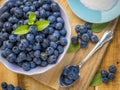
column 40, row 70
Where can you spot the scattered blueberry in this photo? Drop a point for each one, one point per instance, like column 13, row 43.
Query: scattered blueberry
column 112, row 69
column 104, row 73
column 105, row 80
column 83, row 44
column 94, row 38
column 111, row 76
column 74, row 40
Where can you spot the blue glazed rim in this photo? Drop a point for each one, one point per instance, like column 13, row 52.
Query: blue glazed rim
column 94, row 16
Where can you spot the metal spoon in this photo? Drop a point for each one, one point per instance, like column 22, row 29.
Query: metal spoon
column 107, row 36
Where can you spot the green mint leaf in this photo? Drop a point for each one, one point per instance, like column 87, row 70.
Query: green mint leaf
column 99, row 27
column 73, row 48
column 97, row 80
column 42, row 24
column 45, row 55
column 32, row 18
column 23, row 29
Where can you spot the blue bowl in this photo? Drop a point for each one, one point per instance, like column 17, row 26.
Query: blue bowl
column 94, row 16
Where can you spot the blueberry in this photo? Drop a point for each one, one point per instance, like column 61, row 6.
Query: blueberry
column 37, row 46
column 33, row 9
column 10, row 87
column 63, row 32
column 37, row 14
column 50, row 30
column 7, row 26
column 22, row 56
column 46, row 1
column 55, row 36
column 44, row 64
column 79, row 35
column 37, row 53
column 52, row 19
column 72, row 75
column 43, row 13
column 4, row 9
column 60, row 20
column 66, row 71
column 85, row 37
column 13, row 20
column 57, row 14
column 59, row 26
column 26, row 66
column 15, row 26
column 77, row 28
column 18, row 12
column 55, row 7
column 75, row 69
column 1, row 25
column 112, row 69
column 111, row 76
column 104, row 73
column 26, row 8
column 68, row 81
column 6, row 52
column 5, row 35
column 90, row 33
column 56, row 53
column 33, row 65
column 63, row 41
column 48, row 13
column 44, row 56
column 24, row 42
column 12, row 57
column 15, row 49
column 45, row 31
column 83, row 29
column 74, row 40
column 21, row 47
column 94, row 39
column 4, row 16
column 9, row 44
column 37, row 61
column 46, row 7
column 4, row 85
column 17, row 88
column 18, row 38
column 60, row 49
column 52, row 59
column 31, row 53
column 39, row 38
column 83, row 44
column 45, row 43
column 26, row 22
column 10, row 4
column 21, row 22
column 28, row 3
column 30, row 37
column 18, row 3
column 53, row 45
column 88, row 25
column 12, row 38
column 36, row 4
column 29, row 58
column 105, row 80
column 49, row 50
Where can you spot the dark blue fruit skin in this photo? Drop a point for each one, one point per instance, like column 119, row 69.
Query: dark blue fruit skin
column 67, row 81
column 24, row 50
column 10, row 87
column 74, row 40
column 112, row 69
column 4, row 85
column 94, row 39
column 105, row 80
column 104, row 73
column 85, row 37
column 111, row 76
column 83, row 44
column 17, row 88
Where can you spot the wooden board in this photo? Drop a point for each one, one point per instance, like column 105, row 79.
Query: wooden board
column 113, row 56
column 50, row 78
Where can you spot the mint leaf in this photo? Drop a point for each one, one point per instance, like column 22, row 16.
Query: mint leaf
column 42, row 24
column 32, row 18
column 23, row 29
column 99, row 27
column 97, row 80
column 73, row 48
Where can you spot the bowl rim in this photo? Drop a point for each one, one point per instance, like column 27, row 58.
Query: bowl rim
column 61, row 55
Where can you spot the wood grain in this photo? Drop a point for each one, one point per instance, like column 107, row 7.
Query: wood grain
column 111, row 57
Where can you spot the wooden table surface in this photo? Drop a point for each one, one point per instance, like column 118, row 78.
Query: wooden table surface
column 112, row 56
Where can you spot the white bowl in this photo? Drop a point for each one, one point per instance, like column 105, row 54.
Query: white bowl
column 39, row 70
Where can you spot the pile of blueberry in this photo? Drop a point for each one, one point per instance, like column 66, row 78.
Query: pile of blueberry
column 84, row 33
column 69, row 75
column 5, row 86
column 108, row 76
column 35, row 48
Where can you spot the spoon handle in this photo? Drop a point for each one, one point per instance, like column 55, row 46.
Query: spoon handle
column 107, row 36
